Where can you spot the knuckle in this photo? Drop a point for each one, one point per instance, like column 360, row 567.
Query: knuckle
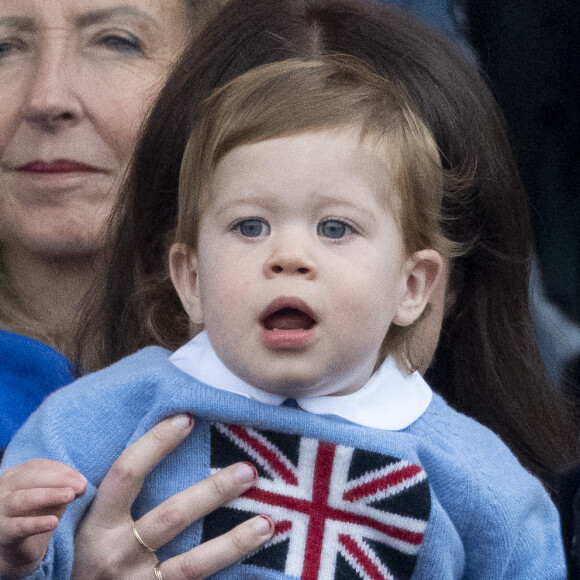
column 158, row 437
column 8, row 480
column 18, row 528
column 190, row 569
column 12, row 501
column 240, row 541
column 105, row 566
column 17, row 503
column 122, row 471
column 172, row 516
column 219, row 485
column 102, row 561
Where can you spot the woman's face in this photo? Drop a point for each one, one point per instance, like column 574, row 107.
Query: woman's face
column 76, row 80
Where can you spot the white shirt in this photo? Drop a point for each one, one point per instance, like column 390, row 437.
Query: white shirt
column 390, row 400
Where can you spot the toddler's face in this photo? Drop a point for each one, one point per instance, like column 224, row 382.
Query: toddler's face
column 301, row 267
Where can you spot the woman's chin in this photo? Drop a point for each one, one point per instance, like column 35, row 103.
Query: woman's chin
column 61, row 244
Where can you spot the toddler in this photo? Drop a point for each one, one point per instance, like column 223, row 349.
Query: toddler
column 309, row 241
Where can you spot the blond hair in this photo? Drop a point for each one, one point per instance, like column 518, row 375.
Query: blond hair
column 295, row 96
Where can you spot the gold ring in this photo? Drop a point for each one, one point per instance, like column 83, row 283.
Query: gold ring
column 141, row 542
column 157, row 571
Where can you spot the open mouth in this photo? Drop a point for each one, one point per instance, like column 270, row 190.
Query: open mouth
column 287, row 323
column 288, row 319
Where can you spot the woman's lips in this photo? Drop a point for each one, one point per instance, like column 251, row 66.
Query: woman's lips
column 287, row 323
column 57, row 166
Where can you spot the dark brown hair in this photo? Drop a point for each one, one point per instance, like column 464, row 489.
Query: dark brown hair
column 487, row 364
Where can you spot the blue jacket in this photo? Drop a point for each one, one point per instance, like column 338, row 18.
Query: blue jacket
column 29, row 370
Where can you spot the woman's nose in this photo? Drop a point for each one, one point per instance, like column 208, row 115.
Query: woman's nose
column 51, row 100
column 291, row 257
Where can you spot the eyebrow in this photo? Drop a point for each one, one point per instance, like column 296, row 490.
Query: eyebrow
column 27, row 24
column 265, row 203
column 22, row 23
column 326, row 200
column 258, row 201
column 97, row 16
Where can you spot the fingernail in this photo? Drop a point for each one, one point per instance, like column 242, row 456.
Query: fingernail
column 263, row 525
column 182, row 421
column 246, row 473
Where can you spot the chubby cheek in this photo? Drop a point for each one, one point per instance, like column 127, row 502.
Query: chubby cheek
column 227, row 323
column 225, row 302
column 367, row 308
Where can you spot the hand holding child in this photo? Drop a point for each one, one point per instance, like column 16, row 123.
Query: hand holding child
column 33, row 497
column 106, row 544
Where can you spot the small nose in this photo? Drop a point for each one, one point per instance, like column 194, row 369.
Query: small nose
column 290, row 257
column 51, row 103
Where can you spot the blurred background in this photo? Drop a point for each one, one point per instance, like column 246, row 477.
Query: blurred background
column 530, row 52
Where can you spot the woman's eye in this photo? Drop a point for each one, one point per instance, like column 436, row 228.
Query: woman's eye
column 8, row 47
column 124, row 44
column 252, row 228
column 4, row 49
column 334, row 229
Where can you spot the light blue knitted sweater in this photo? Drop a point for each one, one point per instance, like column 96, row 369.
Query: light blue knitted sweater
column 443, row 498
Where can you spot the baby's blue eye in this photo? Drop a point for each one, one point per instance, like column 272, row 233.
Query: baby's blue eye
column 252, row 227
column 334, row 229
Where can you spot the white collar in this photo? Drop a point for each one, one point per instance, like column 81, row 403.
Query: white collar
column 390, row 400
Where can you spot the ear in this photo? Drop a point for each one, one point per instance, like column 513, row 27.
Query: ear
column 422, row 273
column 183, row 266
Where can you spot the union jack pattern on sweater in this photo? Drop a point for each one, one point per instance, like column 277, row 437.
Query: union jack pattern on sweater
column 340, row 512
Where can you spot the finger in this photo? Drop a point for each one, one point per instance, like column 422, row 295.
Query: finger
column 33, row 502
column 168, row 519
column 37, row 473
column 20, row 528
column 220, row 552
column 123, row 482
